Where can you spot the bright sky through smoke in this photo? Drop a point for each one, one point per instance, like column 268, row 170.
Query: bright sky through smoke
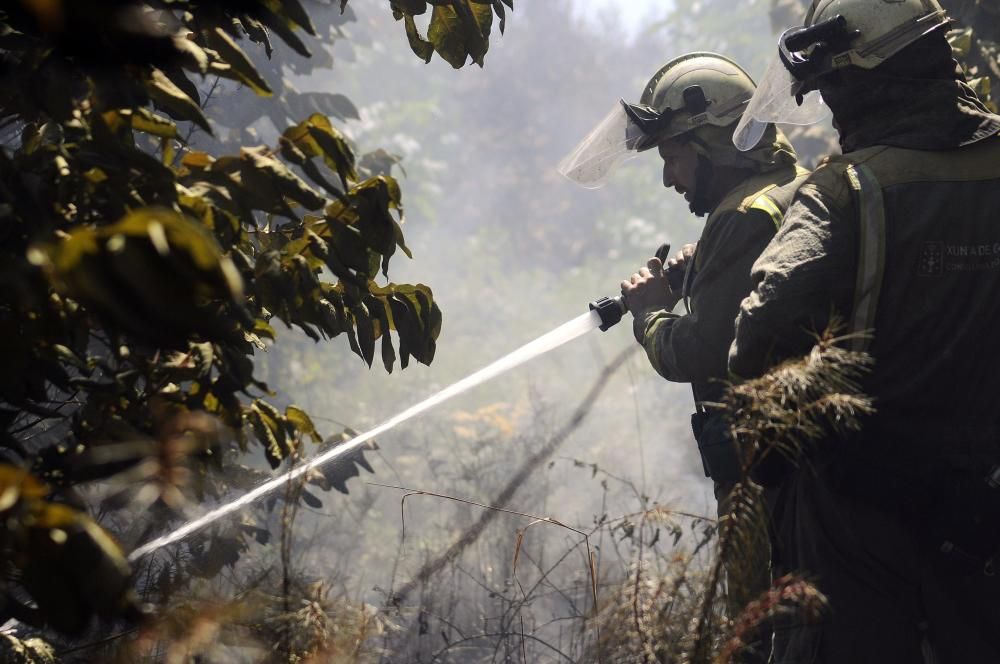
column 631, row 13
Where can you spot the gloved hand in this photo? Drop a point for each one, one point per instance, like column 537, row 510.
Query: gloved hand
column 681, row 258
column 648, row 290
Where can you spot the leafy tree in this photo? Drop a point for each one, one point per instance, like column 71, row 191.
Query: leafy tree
column 976, row 42
column 140, row 276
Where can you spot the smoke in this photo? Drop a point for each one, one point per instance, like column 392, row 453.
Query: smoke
column 511, row 250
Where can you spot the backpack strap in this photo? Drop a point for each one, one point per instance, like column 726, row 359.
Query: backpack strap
column 871, row 253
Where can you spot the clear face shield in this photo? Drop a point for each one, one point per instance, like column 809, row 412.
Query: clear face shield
column 616, row 139
column 778, row 99
column 633, row 128
column 787, row 94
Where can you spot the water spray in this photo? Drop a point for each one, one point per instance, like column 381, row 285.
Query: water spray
column 543, row 344
column 603, row 314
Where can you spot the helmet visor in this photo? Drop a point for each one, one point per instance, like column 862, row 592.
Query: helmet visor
column 615, row 139
column 777, row 100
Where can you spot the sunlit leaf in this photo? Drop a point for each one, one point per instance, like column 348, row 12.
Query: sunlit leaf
column 146, row 121
column 421, row 47
column 300, row 420
column 269, row 181
column 283, row 28
column 316, row 137
column 174, row 102
column 17, row 483
column 152, row 272
column 268, row 431
column 194, row 56
column 459, row 30
column 242, row 68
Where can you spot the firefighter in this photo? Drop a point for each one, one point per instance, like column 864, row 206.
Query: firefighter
column 897, row 524
column 688, row 112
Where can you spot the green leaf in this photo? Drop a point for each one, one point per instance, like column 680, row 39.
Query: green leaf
column 459, row 30
column 155, row 273
column 257, row 33
column 316, row 137
column 961, row 42
column 301, row 421
column 197, row 160
column 981, row 86
column 15, row 484
column 406, row 331
column 501, row 13
column 415, row 316
column 263, row 329
column 444, row 32
column 337, row 154
column 388, row 353
column 411, row 7
column 140, row 119
column 478, row 30
column 71, row 567
column 380, row 313
column 174, row 102
column 283, row 28
column 243, row 69
column 268, row 182
column 193, row 57
column 293, row 9
column 423, row 48
column 366, row 333
column 146, row 121
column 268, row 432
column 179, row 78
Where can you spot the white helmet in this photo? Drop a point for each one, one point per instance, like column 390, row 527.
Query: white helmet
column 836, row 34
column 688, row 92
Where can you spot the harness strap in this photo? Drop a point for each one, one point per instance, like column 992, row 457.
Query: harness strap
column 871, row 254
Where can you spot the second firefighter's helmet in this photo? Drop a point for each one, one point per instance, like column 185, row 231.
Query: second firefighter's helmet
column 836, row 34
column 688, row 92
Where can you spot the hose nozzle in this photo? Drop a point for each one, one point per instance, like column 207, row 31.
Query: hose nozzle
column 610, row 309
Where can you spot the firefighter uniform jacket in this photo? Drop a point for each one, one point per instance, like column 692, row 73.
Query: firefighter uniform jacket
column 900, row 239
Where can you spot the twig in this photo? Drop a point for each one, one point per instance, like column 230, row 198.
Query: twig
column 636, row 608
column 289, row 511
column 527, row 468
column 638, row 435
column 437, row 656
column 95, row 644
